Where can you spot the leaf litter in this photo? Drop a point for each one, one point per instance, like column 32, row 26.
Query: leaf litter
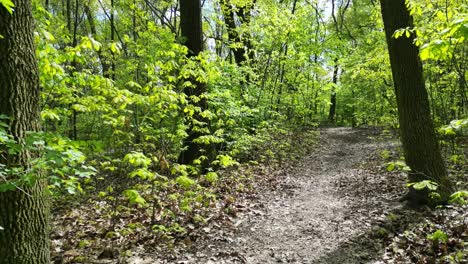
column 337, row 204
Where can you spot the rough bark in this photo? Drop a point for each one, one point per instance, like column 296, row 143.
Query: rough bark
column 191, row 30
column 24, row 212
column 418, row 137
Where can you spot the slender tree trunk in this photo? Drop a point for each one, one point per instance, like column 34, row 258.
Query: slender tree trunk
column 112, row 24
column 92, row 26
column 72, row 30
column 282, row 70
column 245, row 17
column 191, row 29
column 69, row 16
column 332, row 112
column 24, row 212
column 418, row 137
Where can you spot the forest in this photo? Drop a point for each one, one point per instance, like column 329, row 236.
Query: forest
column 233, row 131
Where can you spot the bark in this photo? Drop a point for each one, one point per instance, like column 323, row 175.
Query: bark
column 24, row 212
column 233, row 35
column 72, row 29
column 112, row 23
column 245, row 17
column 418, row 137
column 244, row 53
column 191, row 30
column 69, row 16
column 332, row 112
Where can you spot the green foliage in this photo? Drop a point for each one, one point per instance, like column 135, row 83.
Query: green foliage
column 438, row 237
column 398, row 165
column 456, row 127
column 137, row 159
column 459, row 197
column 211, row 177
column 426, row 184
column 142, row 173
column 134, row 197
column 8, row 4
column 443, row 46
column 225, row 161
column 116, row 115
column 58, row 159
column 185, row 181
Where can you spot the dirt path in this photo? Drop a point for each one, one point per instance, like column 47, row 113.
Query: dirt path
column 329, row 209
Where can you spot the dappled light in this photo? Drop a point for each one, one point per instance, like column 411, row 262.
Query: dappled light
column 233, row 131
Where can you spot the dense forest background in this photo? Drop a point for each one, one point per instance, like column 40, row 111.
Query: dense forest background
column 146, row 106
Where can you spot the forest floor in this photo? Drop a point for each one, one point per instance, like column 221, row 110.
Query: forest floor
column 336, row 205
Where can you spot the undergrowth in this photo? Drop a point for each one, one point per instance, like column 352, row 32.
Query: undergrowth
column 442, row 237
column 169, row 208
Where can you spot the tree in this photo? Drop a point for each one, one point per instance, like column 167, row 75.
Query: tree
column 418, row 137
column 332, row 112
column 241, row 54
column 24, row 217
column 192, row 33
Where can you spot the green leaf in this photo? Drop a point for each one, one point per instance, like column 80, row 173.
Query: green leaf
column 391, row 166
column 115, row 48
column 225, row 161
column 459, row 197
column 143, row 173
column 8, row 4
column 48, row 114
column 430, row 185
column 134, row 197
column 211, row 177
column 185, row 181
column 137, row 159
column 438, row 236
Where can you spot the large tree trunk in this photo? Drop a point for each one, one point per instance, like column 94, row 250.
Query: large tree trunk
column 418, row 137
column 191, row 29
column 24, row 211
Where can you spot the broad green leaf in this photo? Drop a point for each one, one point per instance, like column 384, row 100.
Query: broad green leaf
column 438, row 236
column 8, row 4
column 211, row 177
column 185, row 181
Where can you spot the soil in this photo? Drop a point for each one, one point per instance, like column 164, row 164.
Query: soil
column 337, row 205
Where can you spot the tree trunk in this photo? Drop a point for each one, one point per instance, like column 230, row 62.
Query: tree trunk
column 191, row 29
column 233, row 35
column 24, row 211
column 112, row 26
column 244, row 14
column 105, row 65
column 418, row 137
column 332, row 111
